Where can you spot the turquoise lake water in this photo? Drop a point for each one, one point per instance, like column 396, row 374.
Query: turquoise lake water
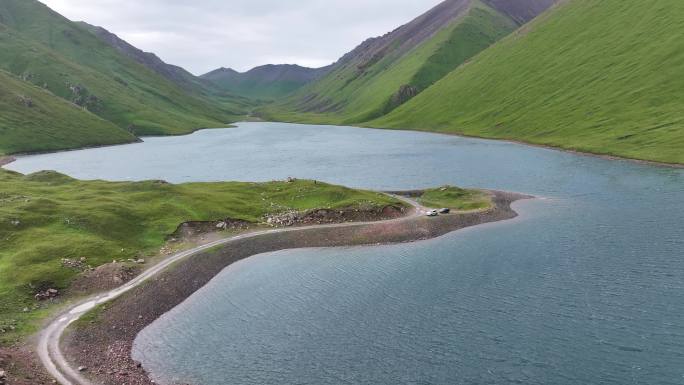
column 586, row 287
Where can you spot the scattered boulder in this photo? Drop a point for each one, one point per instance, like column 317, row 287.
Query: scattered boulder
column 191, row 230
column 27, row 101
column 76, row 264
column 47, row 294
column 6, row 326
column 403, row 95
column 82, row 97
column 3, row 377
column 288, row 218
column 104, row 277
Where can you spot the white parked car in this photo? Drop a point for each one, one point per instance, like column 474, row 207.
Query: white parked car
column 432, row 213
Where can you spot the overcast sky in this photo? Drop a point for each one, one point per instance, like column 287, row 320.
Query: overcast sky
column 202, row 35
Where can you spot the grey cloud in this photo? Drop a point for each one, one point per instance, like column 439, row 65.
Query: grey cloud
column 202, row 35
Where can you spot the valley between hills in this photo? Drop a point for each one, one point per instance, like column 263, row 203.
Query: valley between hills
column 598, row 78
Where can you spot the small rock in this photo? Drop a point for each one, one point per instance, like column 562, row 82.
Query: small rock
column 82, row 368
column 140, row 261
column 26, row 101
column 74, row 264
column 48, row 294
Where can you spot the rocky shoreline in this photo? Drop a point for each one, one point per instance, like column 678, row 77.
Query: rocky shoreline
column 5, row 160
column 102, row 348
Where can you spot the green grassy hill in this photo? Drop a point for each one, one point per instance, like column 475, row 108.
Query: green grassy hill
column 376, row 78
column 595, row 76
column 268, row 82
column 48, row 50
column 45, row 217
column 33, row 118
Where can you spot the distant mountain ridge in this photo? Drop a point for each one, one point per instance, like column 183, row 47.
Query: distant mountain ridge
column 267, row 81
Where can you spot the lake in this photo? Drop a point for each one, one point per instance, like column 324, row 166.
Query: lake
column 586, row 287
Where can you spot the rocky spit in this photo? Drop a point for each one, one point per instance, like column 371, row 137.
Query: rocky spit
column 102, row 348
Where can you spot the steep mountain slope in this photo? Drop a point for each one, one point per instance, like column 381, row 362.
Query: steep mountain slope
column 174, row 73
column 385, row 72
column 521, row 11
column 50, row 51
column 265, row 82
column 33, row 118
column 594, row 76
column 209, row 92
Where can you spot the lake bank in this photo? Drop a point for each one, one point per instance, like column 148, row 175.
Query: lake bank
column 5, row 160
column 538, row 145
column 105, row 346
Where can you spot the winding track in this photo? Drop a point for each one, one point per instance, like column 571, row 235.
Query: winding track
column 48, row 343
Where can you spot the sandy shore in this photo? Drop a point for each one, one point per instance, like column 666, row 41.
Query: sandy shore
column 104, row 346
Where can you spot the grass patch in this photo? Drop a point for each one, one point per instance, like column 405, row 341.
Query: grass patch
column 89, row 317
column 47, row 216
column 455, row 198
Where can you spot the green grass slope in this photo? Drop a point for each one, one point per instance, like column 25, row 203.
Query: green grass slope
column 594, row 76
column 455, row 198
column 50, row 51
column 47, row 216
column 33, row 118
column 346, row 97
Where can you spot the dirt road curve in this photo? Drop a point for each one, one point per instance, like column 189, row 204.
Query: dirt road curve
column 48, row 344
